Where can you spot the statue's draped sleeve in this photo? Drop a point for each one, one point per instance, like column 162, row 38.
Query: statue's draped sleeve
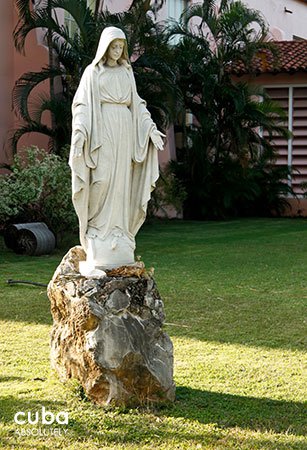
column 86, row 118
column 145, row 166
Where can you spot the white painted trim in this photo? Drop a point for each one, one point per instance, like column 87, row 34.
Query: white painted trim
column 260, row 97
column 284, row 85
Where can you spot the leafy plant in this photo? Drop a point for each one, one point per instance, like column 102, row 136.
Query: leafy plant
column 38, row 189
column 168, row 197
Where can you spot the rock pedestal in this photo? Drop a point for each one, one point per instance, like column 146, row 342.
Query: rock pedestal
column 107, row 333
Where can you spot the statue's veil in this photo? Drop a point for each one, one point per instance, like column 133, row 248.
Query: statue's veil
column 107, row 36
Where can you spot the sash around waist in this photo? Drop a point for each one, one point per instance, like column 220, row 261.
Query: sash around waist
column 114, row 104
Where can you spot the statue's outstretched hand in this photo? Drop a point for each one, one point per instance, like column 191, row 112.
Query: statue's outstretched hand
column 156, row 137
column 77, row 144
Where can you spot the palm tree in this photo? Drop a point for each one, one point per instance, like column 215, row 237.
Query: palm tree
column 62, row 63
column 69, row 55
column 223, row 148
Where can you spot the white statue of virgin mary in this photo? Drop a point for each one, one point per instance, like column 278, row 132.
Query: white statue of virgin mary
column 113, row 157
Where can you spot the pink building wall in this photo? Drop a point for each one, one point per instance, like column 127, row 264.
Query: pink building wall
column 12, row 66
column 285, row 18
column 6, row 73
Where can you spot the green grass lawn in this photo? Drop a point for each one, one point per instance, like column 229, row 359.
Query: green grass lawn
column 235, row 299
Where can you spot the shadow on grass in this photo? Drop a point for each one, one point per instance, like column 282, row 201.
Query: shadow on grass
column 225, row 410
column 139, row 427
column 228, row 410
column 10, row 405
column 25, row 303
column 11, row 437
column 5, row 379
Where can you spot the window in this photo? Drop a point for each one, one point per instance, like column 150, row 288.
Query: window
column 70, row 22
column 293, row 100
column 175, row 8
column 91, row 4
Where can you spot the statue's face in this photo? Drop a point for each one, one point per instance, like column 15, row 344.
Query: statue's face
column 115, row 50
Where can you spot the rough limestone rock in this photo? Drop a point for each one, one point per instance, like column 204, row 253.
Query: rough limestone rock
column 107, row 333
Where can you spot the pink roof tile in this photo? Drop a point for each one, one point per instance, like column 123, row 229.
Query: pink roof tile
column 291, row 57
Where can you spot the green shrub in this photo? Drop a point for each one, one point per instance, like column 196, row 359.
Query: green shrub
column 231, row 187
column 168, row 197
column 38, row 189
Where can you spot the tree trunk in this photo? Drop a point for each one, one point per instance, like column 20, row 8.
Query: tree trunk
column 51, row 64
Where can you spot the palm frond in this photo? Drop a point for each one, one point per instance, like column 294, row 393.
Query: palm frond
column 32, row 127
column 24, row 86
column 143, row 5
column 23, row 8
column 57, row 106
column 81, row 14
column 39, row 18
